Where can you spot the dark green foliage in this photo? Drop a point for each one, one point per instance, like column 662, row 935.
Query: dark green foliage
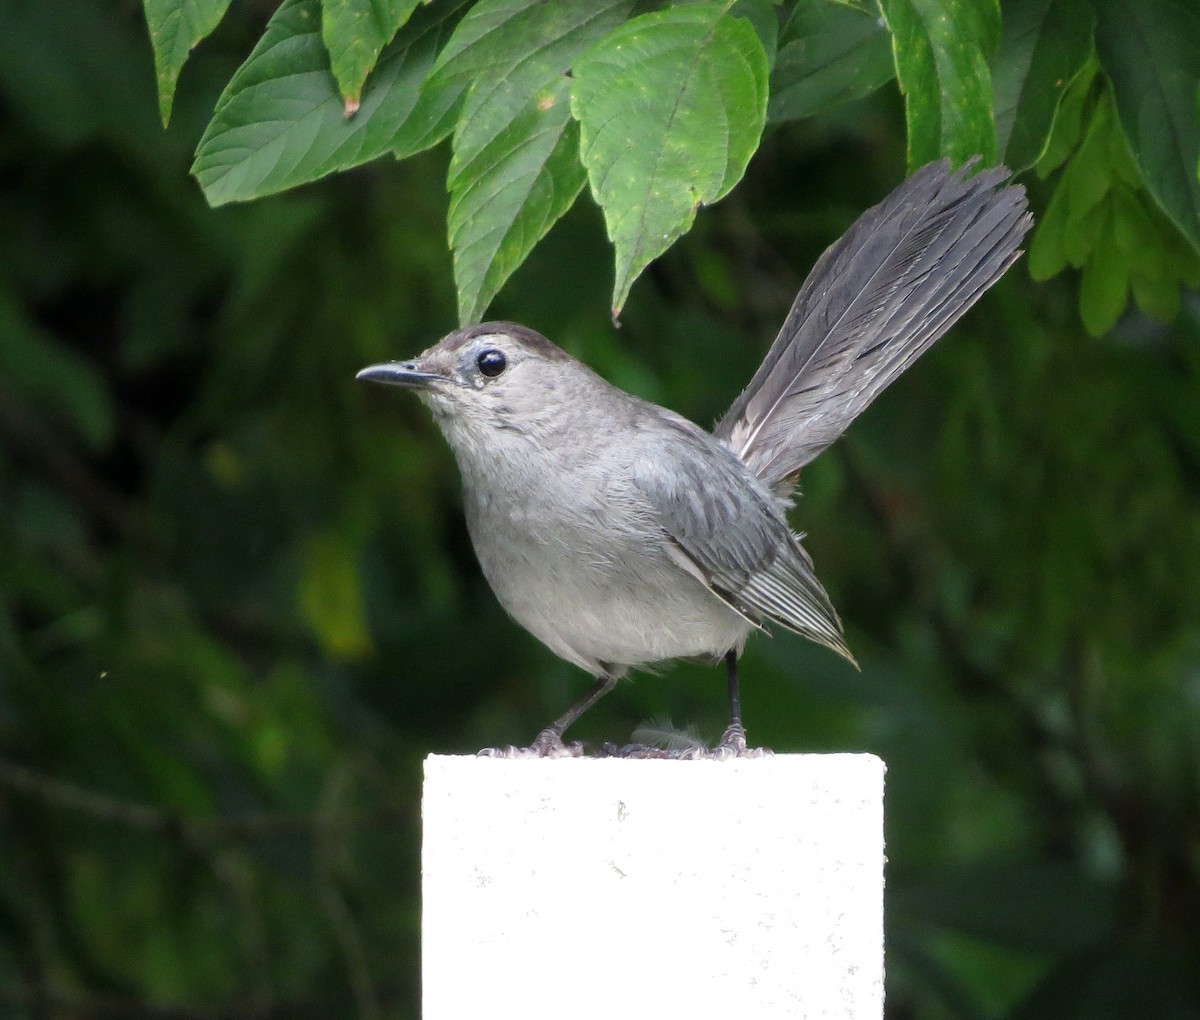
column 1102, row 218
column 660, row 111
column 238, row 604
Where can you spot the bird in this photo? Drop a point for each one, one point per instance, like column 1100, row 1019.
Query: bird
column 621, row 534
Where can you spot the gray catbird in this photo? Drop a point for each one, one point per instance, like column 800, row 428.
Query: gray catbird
column 617, row 532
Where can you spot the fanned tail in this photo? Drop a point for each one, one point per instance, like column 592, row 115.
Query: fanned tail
column 876, row 300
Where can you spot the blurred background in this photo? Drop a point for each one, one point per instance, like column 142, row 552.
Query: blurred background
column 238, row 604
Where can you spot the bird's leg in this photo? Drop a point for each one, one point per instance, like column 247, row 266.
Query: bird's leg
column 734, row 737
column 733, row 740
column 549, row 743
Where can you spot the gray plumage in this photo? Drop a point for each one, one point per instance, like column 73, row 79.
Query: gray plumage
column 876, row 300
column 615, row 531
column 621, row 534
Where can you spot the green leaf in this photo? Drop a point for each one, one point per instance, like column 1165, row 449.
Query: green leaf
column 1103, row 221
column 1067, row 126
column 671, row 107
column 1047, row 251
column 516, row 167
column 1151, row 277
column 832, row 53
column 941, row 49
column 280, row 120
column 1043, row 45
column 764, row 16
column 1183, row 258
column 1160, row 258
column 1089, row 175
column 175, row 27
column 1150, row 52
column 355, row 33
column 498, row 212
column 1104, row 283
column 1084, row 230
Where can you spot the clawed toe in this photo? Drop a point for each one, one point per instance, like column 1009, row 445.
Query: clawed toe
column 733, row 745
column 547, row 744
column 722, row 752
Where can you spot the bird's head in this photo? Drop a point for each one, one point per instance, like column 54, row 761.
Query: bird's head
column 489, row 377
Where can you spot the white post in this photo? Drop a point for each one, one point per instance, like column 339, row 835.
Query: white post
column 614, row 888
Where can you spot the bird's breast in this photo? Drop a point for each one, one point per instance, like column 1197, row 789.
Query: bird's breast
column 583, row 567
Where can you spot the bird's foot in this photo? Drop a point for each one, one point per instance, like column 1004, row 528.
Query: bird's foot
column 547, row 744
column 733, row 745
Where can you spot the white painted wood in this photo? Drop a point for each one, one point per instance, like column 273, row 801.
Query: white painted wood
column 641, row 889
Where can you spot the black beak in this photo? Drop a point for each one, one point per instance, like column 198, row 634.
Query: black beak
column 399, row 373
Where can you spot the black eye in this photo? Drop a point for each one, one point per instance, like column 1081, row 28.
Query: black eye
column 491, row 362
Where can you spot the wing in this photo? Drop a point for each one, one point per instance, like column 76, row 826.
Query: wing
column 725, row 528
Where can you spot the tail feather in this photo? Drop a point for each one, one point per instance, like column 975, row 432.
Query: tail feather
column 875, row 301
